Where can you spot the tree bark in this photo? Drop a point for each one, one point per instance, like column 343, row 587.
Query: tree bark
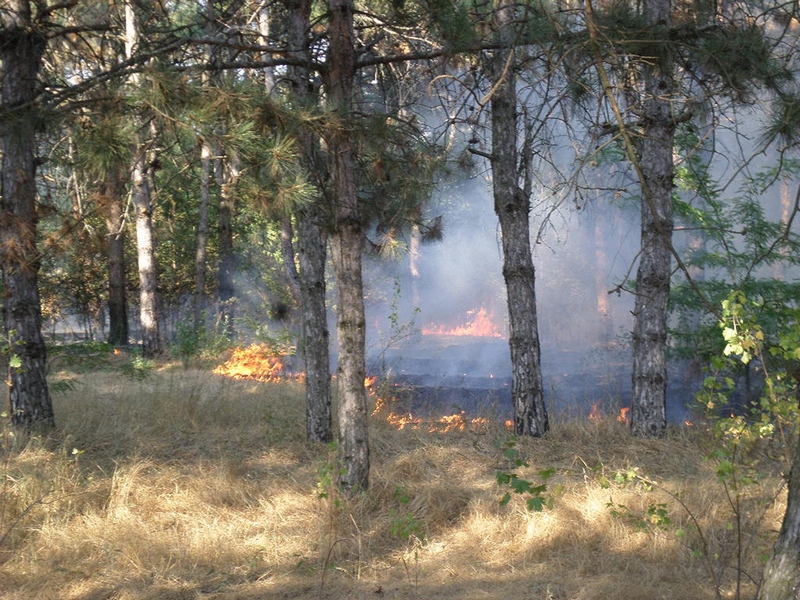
column 201, row 252
column 312, row 245
column 648, row 413
column 782, row 572
column 21, row 50
column 312, row 241
column 111, row 199
column 145, row 244
column 346, row 253
column 512, row 205
column 227, row 258
column 142, row 201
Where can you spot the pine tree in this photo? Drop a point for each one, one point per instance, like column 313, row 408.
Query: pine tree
column 21, row 51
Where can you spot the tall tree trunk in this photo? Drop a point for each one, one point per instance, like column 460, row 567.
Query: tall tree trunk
column 21, row 52
column 111, row 200
column 312, row 245
column 263, row 30
column 142, row 201
column 289, row 256
column 602, row 305
column 148, row 272
column 312, row 242
column 512, row 205
column 201, row 252
column 782, row 572
column 649, row 410
column 227, row 258
column 346, row 253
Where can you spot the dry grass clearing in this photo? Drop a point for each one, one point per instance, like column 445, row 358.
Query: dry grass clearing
column 189, row 485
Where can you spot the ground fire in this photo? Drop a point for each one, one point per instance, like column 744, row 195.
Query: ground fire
column 456, row 422
column 597, row 415
column 258, row 362
column 480, row 325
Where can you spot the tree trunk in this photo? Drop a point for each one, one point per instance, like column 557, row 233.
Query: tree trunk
column 288, row 255
column 602, row 305
column 346, row 254
column 649, row 413
column 201, row 252
column 142, row 201
column 148, row 273
column 782, row 572
column 312, row 243
column 21, row 54
column 227, row 258
column 111, row 199
column 512, row 205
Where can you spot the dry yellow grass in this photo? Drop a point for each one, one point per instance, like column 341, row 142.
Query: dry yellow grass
column 190, row 485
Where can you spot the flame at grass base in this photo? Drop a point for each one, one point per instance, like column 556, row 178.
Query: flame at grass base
column 596, row 415
column 258, row 362
column 445, row 424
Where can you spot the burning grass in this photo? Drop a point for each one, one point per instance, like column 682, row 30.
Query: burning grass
column 259, row 362
column 189, row 485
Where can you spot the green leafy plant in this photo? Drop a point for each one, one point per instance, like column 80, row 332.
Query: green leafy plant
column 537, row 495
column 80, row 357
column 655, row 516
column 743, row 435
column 404, row 523
column 137, row 368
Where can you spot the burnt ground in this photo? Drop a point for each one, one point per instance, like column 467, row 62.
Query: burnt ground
column 437, row 375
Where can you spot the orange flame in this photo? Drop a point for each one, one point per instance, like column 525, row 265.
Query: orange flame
column 257, row 362
column 624, row 414
column 595, row 414
column 403, row 421
column 445, row 424
column 456, row 422
column 481, row 325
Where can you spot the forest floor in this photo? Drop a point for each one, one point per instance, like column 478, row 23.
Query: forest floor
column 183, row 484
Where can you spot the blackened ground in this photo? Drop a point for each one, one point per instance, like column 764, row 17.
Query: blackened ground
column 440, row 375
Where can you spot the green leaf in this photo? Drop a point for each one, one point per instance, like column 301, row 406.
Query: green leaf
column 536, row 504
column 521, row 486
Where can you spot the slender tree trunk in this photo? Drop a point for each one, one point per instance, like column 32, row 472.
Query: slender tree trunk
column 312, row 245
column 21, row 51
column 312, row 242
column 603, row 306
column 227, row 258
column 346, row 254
column 782, row 572
column 288, row 255
column 264, row 30
column 148, row 272
column 111, row 199
column 512, row 205
column 201, row 253
column 648, row 413
column 142, row 201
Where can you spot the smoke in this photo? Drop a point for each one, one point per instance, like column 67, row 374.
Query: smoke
column 579, row 256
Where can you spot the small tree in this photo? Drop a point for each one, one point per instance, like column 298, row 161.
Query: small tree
column 774, row 417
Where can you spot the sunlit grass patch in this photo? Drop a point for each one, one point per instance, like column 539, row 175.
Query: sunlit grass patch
column 191, row 485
